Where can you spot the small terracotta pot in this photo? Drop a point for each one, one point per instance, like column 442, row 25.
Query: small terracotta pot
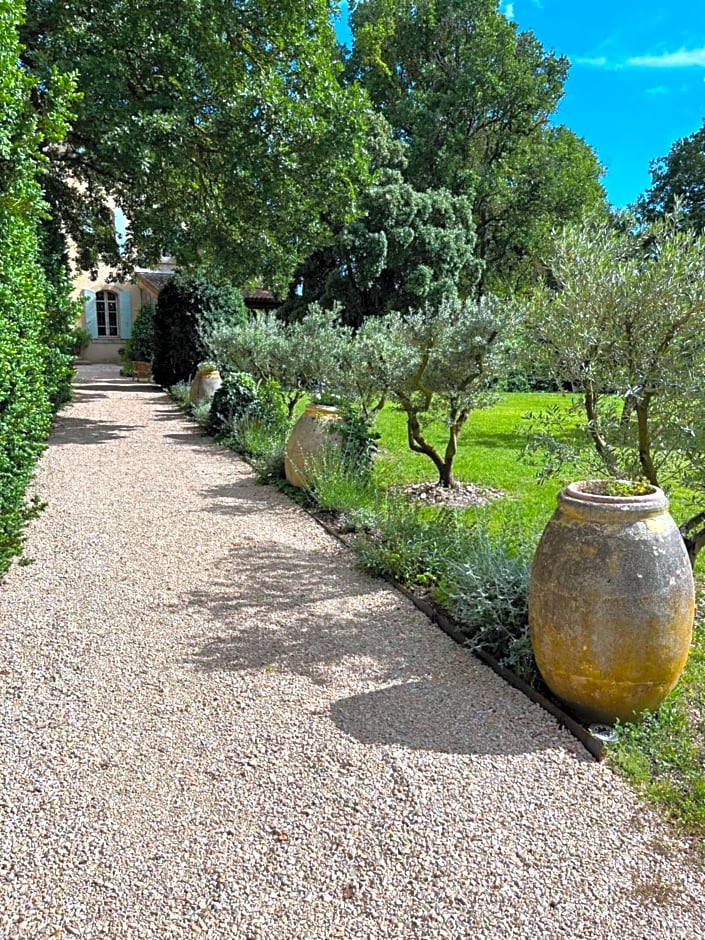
column 611, row 603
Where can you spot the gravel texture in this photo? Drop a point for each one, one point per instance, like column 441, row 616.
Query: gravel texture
column 213, row 725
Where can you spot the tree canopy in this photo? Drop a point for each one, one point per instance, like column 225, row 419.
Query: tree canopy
column 678, row 183
column 406, row 248
column 224, row 133
column 470, row 97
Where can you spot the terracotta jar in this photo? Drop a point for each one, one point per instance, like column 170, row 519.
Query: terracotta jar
column 312, row 435
column 205, row 385
column 141, row 370
column 611, row 602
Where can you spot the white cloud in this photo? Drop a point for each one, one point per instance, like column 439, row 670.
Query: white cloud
column 684, row 58
column 508, row 10
column 599, row 63
column 658, row 90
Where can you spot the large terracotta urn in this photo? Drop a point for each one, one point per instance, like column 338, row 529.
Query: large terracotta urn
column 611, row 602
column 141, row 370
column 312, row 435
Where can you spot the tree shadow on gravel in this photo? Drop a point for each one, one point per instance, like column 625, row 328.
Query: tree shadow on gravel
column 170, row 415
column 242, row 498
column 427, row 715
column 143, row 388
column 87, row 431
column 281, row 611
column 273, row 579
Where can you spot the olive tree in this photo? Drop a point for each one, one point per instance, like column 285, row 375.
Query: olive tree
column 622, row 325
column 304, row 356
column 434, row 363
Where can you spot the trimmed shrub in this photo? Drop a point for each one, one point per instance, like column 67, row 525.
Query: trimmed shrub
column 240, row 398
column 59, row 332
column 34, row 372
column 188, row 309
column 140, row 346
column 231, row 402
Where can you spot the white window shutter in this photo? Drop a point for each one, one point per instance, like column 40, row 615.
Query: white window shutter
column 125, row 305
column 90, row 312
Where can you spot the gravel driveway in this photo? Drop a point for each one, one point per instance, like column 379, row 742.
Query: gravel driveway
column 213, row 725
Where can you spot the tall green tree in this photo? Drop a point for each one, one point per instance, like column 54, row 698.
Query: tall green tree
column 471, row 97
column 407, row 247
column 678, row 182
column 223, row 133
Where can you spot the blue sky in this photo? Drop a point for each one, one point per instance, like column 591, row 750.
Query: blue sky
column 637, row 77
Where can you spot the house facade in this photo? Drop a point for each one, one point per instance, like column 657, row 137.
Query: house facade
column 110, row 306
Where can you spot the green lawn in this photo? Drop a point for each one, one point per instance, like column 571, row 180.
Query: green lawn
column 488, row 453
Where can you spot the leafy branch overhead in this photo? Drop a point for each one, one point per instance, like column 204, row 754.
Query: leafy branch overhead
column 224, row 134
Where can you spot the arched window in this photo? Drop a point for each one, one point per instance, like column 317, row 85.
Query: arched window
column 106, row 313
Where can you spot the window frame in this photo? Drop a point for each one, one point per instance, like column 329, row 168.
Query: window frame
column 106, row 329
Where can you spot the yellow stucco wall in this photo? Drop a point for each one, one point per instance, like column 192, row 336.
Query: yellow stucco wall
column 104, row 349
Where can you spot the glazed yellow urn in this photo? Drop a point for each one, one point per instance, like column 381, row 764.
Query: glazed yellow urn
column 205, row 385
column 611, row 602
column 312, row 435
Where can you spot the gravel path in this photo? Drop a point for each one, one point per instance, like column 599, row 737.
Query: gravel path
column 213, row 725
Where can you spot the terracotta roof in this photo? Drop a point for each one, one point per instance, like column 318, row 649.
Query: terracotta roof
column 154, row 279
column 259, row 293
column 257, row 299
column 261, row 299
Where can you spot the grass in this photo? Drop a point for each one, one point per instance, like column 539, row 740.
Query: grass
column 664, row 757
column 488, row 453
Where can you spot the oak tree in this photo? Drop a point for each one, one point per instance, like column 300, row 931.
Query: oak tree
column 224, row 134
